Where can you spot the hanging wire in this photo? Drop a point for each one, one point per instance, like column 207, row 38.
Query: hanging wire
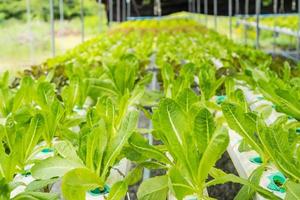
column 52, row 27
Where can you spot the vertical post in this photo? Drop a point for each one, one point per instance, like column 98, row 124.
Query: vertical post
column 246, row 20
column 237, row 7
column 28, row 10
column 298, row 32
column 230, row 18
column 159, row 8
column 257, row 11
column 52, row 27
column 189, row 5
column 110, row 7
column 128, row 8
column 123, row 10
column 118, row 11
column 215, row 14
column 205, row 11
column 82, row 19
column 275, row 8
column 100, row 15
column 61, row 11
column 198, row 6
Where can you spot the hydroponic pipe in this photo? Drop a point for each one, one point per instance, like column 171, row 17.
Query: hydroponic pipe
column 52, row 27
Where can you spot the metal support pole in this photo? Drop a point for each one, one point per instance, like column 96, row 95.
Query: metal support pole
column 52, row 27
column 100, row 15
column 230, row 18
column 82, row 19
column 61, row 11
column 128, row 8
column 198, row 6
column 275, row 8
column 31, row 46
column 118, row 11
column 237, row 7
column 123, row 10
column 257, row 12
column 206, row 11
column 298, row 32
column 189, row 5
column 215, row 14
column 110, row 7
column 246, row 18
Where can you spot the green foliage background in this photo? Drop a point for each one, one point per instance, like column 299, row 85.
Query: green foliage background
column 40, row 9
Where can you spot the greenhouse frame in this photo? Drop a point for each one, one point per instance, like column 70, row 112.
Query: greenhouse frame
column 150, row 100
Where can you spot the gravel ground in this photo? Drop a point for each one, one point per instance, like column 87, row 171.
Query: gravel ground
column 229, row 190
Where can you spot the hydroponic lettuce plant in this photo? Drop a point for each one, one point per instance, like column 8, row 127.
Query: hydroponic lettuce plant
column 19, row 138
column 282, row 145
column 100, row 143
column 192, row 143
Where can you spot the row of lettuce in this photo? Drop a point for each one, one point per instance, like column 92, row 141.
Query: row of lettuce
column 84, row 107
